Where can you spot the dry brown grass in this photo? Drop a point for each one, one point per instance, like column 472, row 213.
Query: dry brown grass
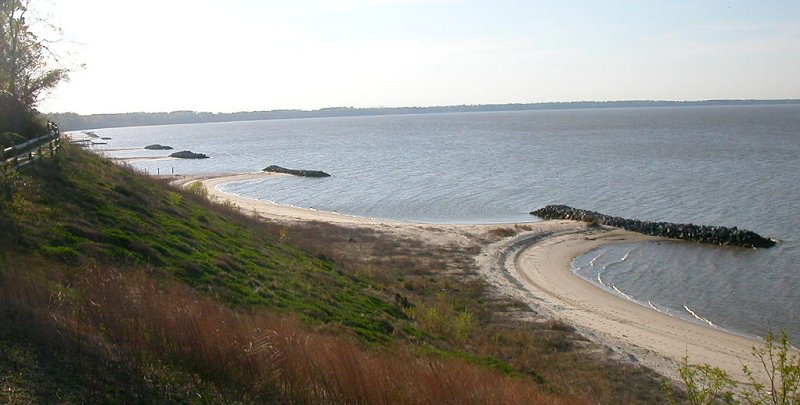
column 261, row 355
column 502, row 232
column 440, row 286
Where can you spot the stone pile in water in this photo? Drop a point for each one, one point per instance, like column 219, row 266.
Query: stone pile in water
column 303, row 173
column 158, row 147
column 718, row 235
column 185, row 154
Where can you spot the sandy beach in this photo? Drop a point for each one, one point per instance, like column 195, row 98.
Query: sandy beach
column 278, row 211
column 534, row 267
column 654, row 338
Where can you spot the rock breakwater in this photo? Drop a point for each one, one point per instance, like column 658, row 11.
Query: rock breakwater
column 717, row 235
column 158, row 147
column 303, row 173
column 185, row 154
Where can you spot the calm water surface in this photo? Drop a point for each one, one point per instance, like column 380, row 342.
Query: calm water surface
column 732, row 166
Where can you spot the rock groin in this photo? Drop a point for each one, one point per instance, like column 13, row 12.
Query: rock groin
column 717, row 235
column 158, row 147
column 185, row 154
column 303, row 173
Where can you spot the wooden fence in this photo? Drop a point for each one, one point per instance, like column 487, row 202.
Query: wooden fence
column 20, row 155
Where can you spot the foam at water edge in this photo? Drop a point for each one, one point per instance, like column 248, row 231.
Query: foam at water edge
column 623, row 294
column 652, row 306
column 698, row 317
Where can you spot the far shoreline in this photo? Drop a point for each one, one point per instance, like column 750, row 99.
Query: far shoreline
column 77, row 122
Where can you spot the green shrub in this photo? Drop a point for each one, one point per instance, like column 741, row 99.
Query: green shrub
column 441, row 317
column 706, row 384
column 197, row 188
column 174, row 199
column 463, row 326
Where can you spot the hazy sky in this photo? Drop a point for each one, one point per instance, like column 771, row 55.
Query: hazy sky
column 244, row 55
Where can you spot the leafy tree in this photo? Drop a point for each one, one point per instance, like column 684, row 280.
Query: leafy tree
column 26, row 71
column 25, row 57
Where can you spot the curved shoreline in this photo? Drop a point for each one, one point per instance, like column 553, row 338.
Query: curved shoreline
column 534, row 267
column 279, row 211
column 656, row 339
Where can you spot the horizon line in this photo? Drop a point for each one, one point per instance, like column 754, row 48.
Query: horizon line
column 430, row 107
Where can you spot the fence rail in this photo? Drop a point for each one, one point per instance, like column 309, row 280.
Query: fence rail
column 20, row 155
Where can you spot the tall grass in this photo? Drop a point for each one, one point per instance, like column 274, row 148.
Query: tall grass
column 260, row 356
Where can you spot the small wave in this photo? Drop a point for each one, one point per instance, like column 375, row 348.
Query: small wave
column 600, row 280
column 652, row 306
column 591, row 262
column 698, row 317
column 620, row 261
column 628, row 253
column 222, row 190
column 622, row 293
column 577, row 269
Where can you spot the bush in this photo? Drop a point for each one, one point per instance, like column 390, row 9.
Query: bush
column 441, row 317
column 174, row 199
column 502, row 232
column 197, row 188
column 15, row 117
column 706, row 384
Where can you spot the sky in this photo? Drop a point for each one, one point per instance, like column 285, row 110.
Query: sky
column 251, row 55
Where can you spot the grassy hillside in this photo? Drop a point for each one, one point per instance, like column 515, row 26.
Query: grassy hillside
column 116, row 288
column 94, row 263
column 81, row 210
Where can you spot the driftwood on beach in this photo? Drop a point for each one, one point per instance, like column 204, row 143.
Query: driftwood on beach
column 717, row 235
column 303, row 173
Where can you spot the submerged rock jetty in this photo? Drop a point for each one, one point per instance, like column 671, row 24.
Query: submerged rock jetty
column 303, row 173
column 185, row 154
column 158, row 147
column 717, row 235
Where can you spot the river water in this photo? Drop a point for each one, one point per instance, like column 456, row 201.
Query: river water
column 713, row 165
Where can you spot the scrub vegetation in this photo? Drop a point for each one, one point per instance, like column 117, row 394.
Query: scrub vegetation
column 706, row 384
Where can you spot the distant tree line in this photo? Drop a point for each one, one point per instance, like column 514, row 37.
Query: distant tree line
column 73, row 121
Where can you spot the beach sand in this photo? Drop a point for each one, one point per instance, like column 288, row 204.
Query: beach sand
column 534, row 267
column 654, row 338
